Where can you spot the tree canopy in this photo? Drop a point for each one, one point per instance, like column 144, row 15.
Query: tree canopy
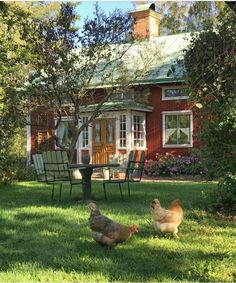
column 210, row 64
column 184, row 16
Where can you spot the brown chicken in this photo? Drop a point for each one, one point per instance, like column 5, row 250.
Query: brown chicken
column 107, row 232
column 167, row 220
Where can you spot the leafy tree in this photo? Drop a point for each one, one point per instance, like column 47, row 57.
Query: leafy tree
column 70, row 63
column 14, row 58
column 39, row 9
column 210, row 73
column 15, row 61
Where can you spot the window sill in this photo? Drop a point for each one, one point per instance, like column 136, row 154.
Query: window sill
column 175, row 98
column 177, row 145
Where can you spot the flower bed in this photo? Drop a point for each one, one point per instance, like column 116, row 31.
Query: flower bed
column 168, row 165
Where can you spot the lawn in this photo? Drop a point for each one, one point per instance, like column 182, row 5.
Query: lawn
column 44, row 240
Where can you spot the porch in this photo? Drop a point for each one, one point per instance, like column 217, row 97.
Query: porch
column 115, row 132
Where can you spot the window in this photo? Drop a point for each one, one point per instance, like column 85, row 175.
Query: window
column 109, row 132
column 177, row 129
column 177, row 92
column 122, row 130
column 138, row 124
column 85, row 133
column 97, row 132
column 64, row 132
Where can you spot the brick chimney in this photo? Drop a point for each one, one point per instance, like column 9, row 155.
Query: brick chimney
column 147, row 21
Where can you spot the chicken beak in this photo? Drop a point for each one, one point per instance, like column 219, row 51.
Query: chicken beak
column 134, row 229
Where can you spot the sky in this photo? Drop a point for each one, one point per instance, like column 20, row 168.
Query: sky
column 86, row 8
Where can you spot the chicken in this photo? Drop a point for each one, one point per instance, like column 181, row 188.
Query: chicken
column 167, row 220
column 107, row 232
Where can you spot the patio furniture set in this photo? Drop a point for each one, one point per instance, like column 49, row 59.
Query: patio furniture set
column 53, row 168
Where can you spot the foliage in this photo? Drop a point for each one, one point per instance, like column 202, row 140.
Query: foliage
column 40, row 9
column 223, row 199
column 13, row 168
column 13, row 68
column 210, row 74
column 15, row 63
column 167, row 165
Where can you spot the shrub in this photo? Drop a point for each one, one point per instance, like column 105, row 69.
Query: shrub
column 223, row 199
column 14, row 168
column 167, row 165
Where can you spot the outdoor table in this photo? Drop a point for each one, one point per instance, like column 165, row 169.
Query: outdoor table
column 86, row 171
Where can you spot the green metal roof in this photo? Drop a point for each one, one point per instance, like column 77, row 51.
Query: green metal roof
column 170, row 48
column 118, row 106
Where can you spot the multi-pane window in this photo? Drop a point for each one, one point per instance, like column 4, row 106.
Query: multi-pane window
column 175, row 93
column 85, row 133
column 177, row 129
column 109, row 132
column 64, row 132
column 122, row 130
column 138, row 126
column 97, row 132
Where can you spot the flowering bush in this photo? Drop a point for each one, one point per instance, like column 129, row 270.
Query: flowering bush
column 167, row 165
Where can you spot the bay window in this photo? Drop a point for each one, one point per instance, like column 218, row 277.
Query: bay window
column 122, row 141
column 138, row 130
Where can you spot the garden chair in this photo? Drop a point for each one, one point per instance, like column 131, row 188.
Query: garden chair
column 117, row 171
column 57, row 171
column 39, row 167
column 133, row 172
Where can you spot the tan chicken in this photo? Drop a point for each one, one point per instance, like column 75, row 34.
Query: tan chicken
column 167, row 220
column 107, row 232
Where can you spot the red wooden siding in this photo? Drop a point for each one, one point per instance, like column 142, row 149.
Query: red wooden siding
column 41, row 135
column 154, row 124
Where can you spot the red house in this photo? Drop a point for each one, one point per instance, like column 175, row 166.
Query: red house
column 164, row 123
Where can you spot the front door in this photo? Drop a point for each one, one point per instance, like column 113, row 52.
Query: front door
column 103, row 140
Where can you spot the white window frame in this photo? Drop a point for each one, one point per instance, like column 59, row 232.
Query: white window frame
column 176, row 97
column 65, row 118
column 144, row 129
column 126, row 118
column 181, row 112
column 84, row 147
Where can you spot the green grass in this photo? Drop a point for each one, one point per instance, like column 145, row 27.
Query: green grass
column 44, row 240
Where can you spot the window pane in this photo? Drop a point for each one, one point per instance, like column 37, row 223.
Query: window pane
column 176, row 92
column 109, row 132
column 138, row 130
column 97, row 132
column 122, row 130
column 184, row 125
column 85, row 133
column 64, row 133
column 171, row 129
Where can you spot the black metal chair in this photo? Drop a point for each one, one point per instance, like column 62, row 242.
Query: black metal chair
column 57, row 171
column 133, row 172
